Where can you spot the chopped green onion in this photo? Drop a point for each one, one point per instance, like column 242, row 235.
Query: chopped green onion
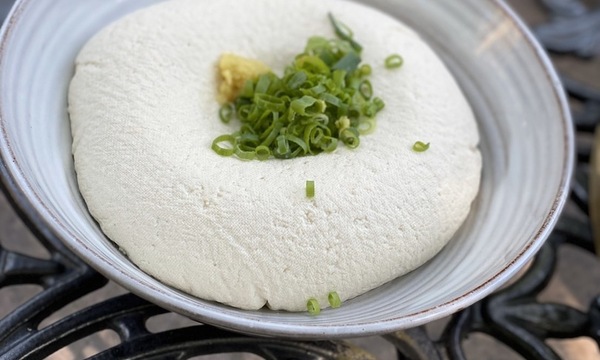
column 307, row 105
column 313, row 306
column 342, row 30
column 339, row 78
column 226, row 112
column 349, row 137
column 331, row 99
column 283, row 147
column 343, row 123
column 394, row 61
column 366, row 89
column 334, row 300
column 328, row 144
column 269, row 102
column 420, row 146
column 247, row 90
column 248, row 140
column 369, row 109
column 262, row 86
column 224, row 151
column 344, row 33
column 310, row 188
column 244, row 154
column 379, row 104
column 243, row 111
column 297, row 79
column 365, row 70
column 312, row 64
column 348, row 63
column 269, row 134
column 316, row 44
column 301, row 144
column 323, row 97
column 366, row 126
column 262, row 152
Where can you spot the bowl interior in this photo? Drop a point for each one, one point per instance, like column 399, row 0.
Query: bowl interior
column 527, row 146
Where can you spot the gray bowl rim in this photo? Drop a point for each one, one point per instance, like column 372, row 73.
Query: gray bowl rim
column 32, row 210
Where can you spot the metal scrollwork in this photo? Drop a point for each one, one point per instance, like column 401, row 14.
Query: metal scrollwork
column 573, row 29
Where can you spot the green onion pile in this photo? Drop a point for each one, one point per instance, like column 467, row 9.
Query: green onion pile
column 323, row 98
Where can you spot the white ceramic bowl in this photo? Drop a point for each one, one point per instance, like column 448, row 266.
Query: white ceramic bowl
column 527, row 146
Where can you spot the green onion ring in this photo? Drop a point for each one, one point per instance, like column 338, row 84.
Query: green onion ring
column 244, row 154
column 283, row 147
column 226, row 112
column 313, row 306
column 223, row 151
column 378, row 103
column 394, row 61
column 349, row 137
column 420, row 146
column 329, row 144
column 365, row 70
column 366, row 89
column 366, row 126
column 262, row 152
column 334, row 300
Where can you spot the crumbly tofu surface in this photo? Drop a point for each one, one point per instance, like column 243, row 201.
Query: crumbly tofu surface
column 144, row 114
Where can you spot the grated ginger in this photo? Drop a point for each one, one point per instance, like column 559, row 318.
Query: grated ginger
column 234, row 70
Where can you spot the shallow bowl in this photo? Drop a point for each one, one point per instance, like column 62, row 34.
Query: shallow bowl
column 527, row 147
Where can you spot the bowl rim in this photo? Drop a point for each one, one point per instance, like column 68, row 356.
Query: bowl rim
column 38, row 218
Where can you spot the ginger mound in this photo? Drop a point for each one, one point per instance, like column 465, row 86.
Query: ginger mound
column 234, row 70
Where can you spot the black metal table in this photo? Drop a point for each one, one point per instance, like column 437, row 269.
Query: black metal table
column 513, row 316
